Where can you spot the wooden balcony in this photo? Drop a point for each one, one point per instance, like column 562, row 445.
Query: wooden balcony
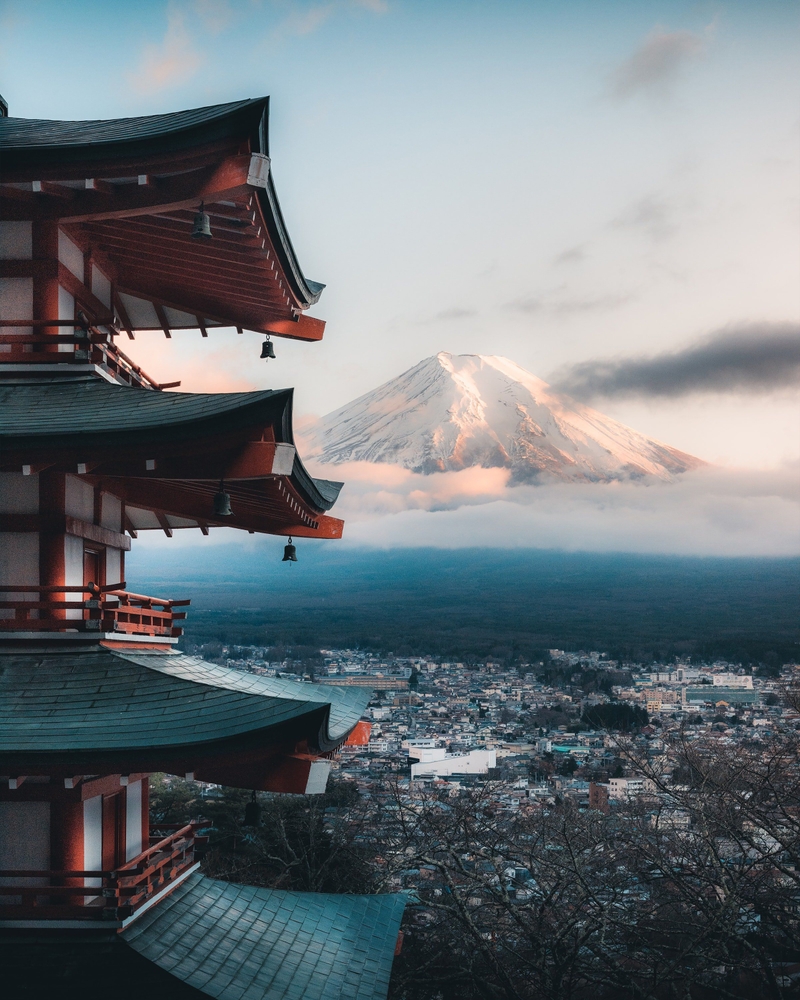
column 95, row 609
column 110, row 895
column 88, row 345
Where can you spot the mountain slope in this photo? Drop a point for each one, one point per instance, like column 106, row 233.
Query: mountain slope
column 453, row 412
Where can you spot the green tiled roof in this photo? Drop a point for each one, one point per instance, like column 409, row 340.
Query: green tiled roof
column 236, row 942
column 90, row 412
column 33, row 133
column 99, row 699
column 92, row 406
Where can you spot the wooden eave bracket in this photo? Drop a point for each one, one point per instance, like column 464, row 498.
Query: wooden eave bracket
column 302, row 328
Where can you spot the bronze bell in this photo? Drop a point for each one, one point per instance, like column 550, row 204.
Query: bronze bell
column 252, row 812
column 222, row 503
column 289, row 552
column 267, row 350
column 201, row 230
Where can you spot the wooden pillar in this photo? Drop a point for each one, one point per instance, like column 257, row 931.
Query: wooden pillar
column 52, row 560
column 66, row 836
column 45, row 287
column 145, row 812
column 66, row 845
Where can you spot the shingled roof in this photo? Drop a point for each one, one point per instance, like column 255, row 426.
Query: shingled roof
column 83, row 419
column 236, row 942
column 153, row 710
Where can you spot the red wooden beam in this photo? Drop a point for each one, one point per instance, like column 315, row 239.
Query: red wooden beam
column 162, row 319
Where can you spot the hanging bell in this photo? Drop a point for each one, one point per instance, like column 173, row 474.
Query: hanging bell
column 222, row 503
column 289, row 552
column 201, row 230
column 267, row 350
column 252, row 812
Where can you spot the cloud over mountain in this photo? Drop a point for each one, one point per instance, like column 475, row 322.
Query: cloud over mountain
column 752, row 357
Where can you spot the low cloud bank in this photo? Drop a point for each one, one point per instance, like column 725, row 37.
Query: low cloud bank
column 706, row 512
column 752, row 358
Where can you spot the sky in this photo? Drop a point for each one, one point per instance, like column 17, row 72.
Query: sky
column 605, row 192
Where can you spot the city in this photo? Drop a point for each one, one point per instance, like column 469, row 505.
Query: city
column 527, row 805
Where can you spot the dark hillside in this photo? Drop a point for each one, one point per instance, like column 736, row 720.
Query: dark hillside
column 481, row 602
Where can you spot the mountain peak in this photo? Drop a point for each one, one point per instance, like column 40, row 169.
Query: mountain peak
column 455, row 411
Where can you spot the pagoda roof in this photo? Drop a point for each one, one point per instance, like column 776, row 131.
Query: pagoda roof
column 56, row 411
column 33, row 140
column 145, row 710
column 122, row 186
column 167, row 451
column 233, row 941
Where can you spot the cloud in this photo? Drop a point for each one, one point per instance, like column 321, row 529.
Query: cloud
column 450, row 314
column 750, row 357
column 570, row 306
column 169, row 63
column 652, row 215
column 306, row 22
column 215, row 15
column 305, row 19
column 572, row 256
column 657, row 62
column 710, row 511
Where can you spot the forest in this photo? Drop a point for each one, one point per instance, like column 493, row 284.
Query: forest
column 473, row 604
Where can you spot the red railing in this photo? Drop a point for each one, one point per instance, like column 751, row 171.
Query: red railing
column 87, row 345
column 104, row 609
column 114, row 895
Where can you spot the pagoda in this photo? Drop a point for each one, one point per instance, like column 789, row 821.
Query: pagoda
column 109, row 228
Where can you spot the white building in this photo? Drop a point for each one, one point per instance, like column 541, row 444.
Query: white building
column 744, row 681
column 627, row 788
column 435, row 762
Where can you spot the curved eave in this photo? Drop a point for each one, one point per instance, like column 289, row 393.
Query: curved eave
column 40, row 150
column 190, row 436
column 62, row 709
column 306, row 292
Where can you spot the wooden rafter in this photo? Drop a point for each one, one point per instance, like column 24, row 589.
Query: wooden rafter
column 162, row 319
column 166, row 527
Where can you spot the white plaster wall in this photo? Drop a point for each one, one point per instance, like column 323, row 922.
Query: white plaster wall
column 133, row 820
column 93, row 838
column 73, row 570
column 101, row 286
column 73, row 561
column 79, row 499
column 70, row 256
column 111, row 512
column 19, row 494
column 318, row 777
column 16, row 240
column 113, row 566
column 19, row 558
column 24, row 840
column 66, row 310
column 16, row 302
column 19, row 564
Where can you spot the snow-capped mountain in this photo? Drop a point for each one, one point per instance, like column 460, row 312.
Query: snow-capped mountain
column 453, row 412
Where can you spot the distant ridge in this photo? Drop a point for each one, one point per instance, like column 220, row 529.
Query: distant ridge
column 453, row 412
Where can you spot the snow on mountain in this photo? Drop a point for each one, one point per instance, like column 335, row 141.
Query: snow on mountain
column 453, row 412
